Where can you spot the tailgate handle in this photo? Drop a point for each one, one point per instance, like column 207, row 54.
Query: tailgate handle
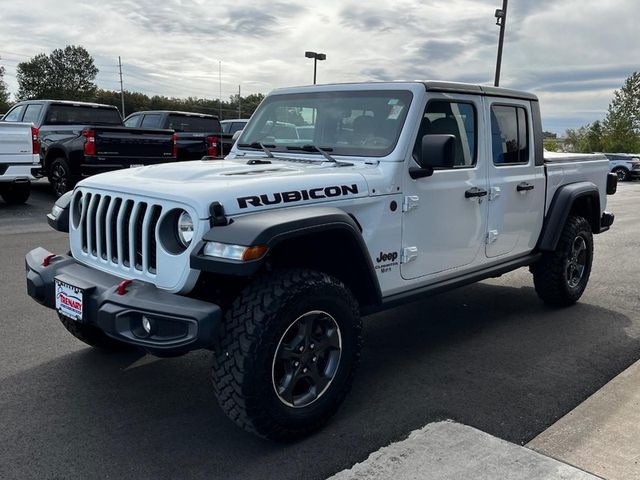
column 524, row 186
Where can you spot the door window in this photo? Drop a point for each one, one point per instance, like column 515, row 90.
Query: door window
column 151, row 121
column 443, row 117
column 509, row 135
column 132, row 121
column 32, row 113
column 235, row 126
column 14, row 115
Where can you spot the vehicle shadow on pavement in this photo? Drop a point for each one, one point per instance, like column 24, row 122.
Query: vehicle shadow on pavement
column 493, row 357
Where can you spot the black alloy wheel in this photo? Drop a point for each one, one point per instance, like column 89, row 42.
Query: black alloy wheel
column 306, row 359
column 60, row 177
column 577, row 262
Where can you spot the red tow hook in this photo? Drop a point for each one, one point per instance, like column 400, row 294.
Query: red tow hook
column 122, row 286
column 47, row 260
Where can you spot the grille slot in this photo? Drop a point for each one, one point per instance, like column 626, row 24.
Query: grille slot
column 120, row 232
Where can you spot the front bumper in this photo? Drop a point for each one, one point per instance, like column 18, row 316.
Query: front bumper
column 180, row 324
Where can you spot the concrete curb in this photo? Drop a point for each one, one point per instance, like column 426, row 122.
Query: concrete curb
column 448, row 450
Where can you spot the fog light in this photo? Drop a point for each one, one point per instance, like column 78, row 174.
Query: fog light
column 146, row 324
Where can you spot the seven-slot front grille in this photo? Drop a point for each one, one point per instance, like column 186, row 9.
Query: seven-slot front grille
column 120, row 231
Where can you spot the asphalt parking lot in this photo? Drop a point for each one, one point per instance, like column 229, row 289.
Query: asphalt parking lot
column 490, row 355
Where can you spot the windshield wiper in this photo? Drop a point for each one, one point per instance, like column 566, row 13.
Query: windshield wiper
column 259, row 145
column 324, row 151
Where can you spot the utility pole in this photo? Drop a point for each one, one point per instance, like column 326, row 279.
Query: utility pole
column 239, row 108
column 121, row 88
column 220, row 83
column 501, row 21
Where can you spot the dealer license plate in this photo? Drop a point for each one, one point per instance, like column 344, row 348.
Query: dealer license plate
column 69, row 300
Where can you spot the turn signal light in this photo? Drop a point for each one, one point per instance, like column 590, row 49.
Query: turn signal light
column 253, row 253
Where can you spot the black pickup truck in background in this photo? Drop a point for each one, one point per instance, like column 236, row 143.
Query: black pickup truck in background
column 79, row 139
column 198, row 135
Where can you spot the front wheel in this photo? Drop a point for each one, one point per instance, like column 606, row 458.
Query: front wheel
column 287, row 354
column 561, row 276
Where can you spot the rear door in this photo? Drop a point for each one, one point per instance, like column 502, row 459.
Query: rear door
column 517, row 185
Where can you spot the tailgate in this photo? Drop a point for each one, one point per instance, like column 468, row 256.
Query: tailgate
column 133, row 142
column 188, row 140
column 15, row 143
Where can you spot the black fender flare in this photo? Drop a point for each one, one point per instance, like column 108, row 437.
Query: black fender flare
column 272, row 227
column 53, row 151
column 561, row 205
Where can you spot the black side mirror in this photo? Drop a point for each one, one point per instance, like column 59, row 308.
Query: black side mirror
column 438, row 151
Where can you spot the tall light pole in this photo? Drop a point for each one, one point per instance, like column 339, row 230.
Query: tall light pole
column 501, row 21
column 316, row 56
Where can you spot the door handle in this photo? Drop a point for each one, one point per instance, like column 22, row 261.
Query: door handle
column 475, row 192
column 524, row 186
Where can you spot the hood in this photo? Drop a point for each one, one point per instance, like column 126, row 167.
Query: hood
column 239, row 187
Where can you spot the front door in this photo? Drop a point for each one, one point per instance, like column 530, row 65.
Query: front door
column 517, row 184
column 444, row 223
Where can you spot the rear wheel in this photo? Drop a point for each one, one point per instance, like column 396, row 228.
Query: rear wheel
column 60, row 177
column 622, row 173
column 287, row 353
column 15, row 193
column 93, row 336
column 561, row 276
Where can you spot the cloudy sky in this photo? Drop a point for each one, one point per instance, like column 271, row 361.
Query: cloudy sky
column 572, row 53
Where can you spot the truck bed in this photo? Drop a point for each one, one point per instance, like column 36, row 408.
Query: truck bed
column 564, row 168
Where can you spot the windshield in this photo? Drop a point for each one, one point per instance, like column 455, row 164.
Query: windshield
column 359, row 123
column 82, row 115
column 188, row 123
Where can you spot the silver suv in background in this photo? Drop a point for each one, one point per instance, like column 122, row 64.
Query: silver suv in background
column 625, row 165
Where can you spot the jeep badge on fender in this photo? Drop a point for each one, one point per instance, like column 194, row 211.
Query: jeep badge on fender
column 269, row 257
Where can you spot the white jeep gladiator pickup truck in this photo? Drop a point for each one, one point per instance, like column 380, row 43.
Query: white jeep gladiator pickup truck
column 19, row 154
column 397, row 191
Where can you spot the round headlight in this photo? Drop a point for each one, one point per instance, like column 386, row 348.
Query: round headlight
column 185, row 229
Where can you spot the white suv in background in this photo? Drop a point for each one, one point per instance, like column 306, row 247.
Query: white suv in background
column 625, row 165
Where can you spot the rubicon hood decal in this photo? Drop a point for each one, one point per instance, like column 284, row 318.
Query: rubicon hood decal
column 296, row 195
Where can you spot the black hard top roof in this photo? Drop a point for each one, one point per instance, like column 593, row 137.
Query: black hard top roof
column 454, row 87
column 446, row 87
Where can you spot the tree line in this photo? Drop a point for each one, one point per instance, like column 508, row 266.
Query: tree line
column 70, row 73
column 619, row 131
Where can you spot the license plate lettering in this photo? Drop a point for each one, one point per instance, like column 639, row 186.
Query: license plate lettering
column 69, row 301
